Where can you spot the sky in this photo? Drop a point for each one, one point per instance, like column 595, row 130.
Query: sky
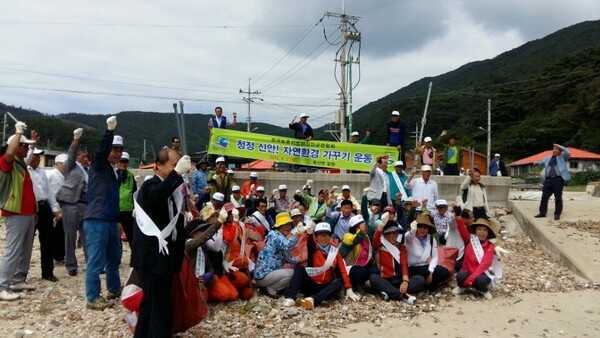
column 104, row 57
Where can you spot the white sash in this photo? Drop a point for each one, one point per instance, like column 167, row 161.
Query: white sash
column 262, row 220
column 495, row 267
column 149, row 228
column 317, row 270
column 233, row 201
column 200, row 263
column 399, row 184
column 392, row 249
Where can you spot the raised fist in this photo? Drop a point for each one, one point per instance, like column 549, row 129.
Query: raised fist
column 111, row 123
column 184, row 165
column 20, row 127
column 77, row 133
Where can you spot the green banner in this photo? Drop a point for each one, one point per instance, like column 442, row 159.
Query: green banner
column 315, row 153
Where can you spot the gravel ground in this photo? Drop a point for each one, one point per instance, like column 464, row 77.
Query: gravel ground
column 58, row 309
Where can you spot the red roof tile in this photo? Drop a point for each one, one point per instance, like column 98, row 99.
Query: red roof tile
column 576, row 154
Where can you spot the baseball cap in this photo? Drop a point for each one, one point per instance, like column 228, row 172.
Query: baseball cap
column 61, row 158
column 354, row 133
column 260, row 188
column 303, row 115
column 322, row 227
column 37, row 151
column 428, row 139
column 295, row 212
column 236, row 188
column 253, row 174
column 356, row 221
column 441, row 202
column 395, row 113
column 282, row 187
column 117, row 141
column 218, row 197
column 220, row 159
column 345, row 187
column 125, row 156
column 399, row 163
column 426, row 167
column 23, row 140
column 496, row 155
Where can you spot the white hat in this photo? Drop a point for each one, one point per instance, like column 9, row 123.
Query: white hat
column 408, row 200
column 23, row 140
column 426, row 167
column 441, row 202
column 282, row 187
column 322, row 227
column 236, row 188
column 295, row 212
column 230, row 171
column 125, row 156
column 220, row 159
column 253, row 174
column 303, row 115
column 354, row 133
column 356, row 220
column 496, row 155
column 260, row 188
column 61, row 158
column 37, row 151
column 428, row 139
column 399, row 163
column 117, row 141
column 218, row 197
column 345, row 187
column 395, row 113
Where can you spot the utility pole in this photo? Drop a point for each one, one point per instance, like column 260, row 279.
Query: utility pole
column 350, row 118
column 349, row 33
column 489, row 132
column 249, row 99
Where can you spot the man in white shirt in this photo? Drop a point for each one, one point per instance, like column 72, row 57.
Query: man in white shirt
column 47, row 210
column 424, row 189
column 56, row 180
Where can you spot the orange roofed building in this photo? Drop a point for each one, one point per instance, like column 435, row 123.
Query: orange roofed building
column 580, row 160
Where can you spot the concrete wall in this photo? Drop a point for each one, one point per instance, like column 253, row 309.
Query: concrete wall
column 448, row 186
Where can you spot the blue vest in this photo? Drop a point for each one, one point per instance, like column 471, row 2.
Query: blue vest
column 223, row 122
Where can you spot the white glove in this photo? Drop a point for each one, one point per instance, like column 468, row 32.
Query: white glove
column 77, row 133
column 188, row 217
column 501, row 251
column 385, row 217
column 111, row 123
column 228, row 267
column 335, row 187
column 20, row 127
column 275, row 191
column 350, row 294
column 309, row 182
column 251, row 185
column 215, row 177
column 365, row 191
column 236, row 215
column 137, row 177
column 413, row 225
column 309, row 227
column 305, row 187
column 184, row 165
column 299, row 230
column 298, row 192
column 222, row 216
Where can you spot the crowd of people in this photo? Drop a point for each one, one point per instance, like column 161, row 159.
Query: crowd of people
column 396, row 239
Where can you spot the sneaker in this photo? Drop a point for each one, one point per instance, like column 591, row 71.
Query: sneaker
column 22, row 287
column 307, row 303
column 409, row 299
column 7, row 295
column 384, row 295
column 487, row 295
column 114, row 295
column 288, row 302
column 458, row 290
column 99, row 304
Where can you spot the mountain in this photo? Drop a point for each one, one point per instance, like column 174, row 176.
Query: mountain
column 56, row 131
column 543, row 92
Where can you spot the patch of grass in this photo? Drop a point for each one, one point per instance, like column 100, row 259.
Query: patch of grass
column 575, row 188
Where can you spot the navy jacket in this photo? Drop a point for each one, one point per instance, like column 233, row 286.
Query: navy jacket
column 103, row 188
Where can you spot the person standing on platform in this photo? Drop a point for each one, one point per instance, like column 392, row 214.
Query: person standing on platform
column 396, row 133
column 302, row 130
column 497, row 167
column 556, row 170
